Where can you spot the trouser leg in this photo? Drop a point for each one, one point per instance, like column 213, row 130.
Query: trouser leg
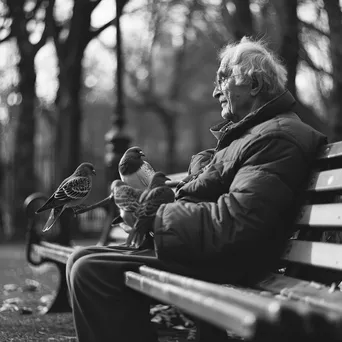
column 104, row 308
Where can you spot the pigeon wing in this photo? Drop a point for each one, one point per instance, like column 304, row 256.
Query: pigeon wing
column 146, row 213
column 73, row 189
column 52, row 202
column 155, row 198
column 126, row 197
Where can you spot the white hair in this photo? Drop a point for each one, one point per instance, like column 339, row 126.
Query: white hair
column 247, row 58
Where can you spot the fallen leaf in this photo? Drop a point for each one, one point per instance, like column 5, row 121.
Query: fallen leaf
column 46, row 299
column 30, row 285
column 10, row 287
column 15, row 300
column 9, row 307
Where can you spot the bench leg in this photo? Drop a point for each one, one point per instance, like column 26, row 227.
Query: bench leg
column 61, row 301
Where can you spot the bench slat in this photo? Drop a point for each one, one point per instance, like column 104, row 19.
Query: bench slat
column 321, row 215
column 316, row 294
column 58, row 247
column 223, row 315
column 320, row 254
column 268, row 307
column 329, row 180
column 45, row 252
column 329, row 151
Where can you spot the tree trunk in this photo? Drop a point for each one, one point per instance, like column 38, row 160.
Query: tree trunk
column 335, row 18
column 23, row 160
column 290, row 43
column 171, row 161
column 68, row 134
column 242, row 20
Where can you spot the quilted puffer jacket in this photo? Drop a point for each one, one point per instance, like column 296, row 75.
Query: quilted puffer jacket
column 234, row 210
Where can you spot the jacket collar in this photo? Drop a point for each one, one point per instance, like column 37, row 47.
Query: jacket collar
column 227, row 131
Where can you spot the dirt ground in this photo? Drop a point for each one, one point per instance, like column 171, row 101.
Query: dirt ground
column 24, row 290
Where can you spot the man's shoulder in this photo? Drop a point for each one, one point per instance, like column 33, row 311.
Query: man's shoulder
column 285, row 124
column 290, row 127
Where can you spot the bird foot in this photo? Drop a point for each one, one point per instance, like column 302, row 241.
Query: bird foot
column 79, row 208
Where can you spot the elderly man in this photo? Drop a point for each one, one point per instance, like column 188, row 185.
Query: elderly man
column 233, row 212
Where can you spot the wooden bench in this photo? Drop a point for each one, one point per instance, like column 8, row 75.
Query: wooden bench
column 301, row 301
column 56, row 245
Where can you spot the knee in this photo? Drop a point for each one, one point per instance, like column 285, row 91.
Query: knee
column 76, row 255
column 81, row 272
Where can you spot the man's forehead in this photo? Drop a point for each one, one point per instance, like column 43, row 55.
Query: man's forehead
column 224, row 65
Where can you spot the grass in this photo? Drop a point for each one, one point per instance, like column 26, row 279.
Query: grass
column 24, row 290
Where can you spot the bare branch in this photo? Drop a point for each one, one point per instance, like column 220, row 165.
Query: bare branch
column 313, row 28
column 95, row 4
column 95, row 32
column 33, row 12
column 303, row 54
column 48, row 29
column 180, row 53
column 8, row 37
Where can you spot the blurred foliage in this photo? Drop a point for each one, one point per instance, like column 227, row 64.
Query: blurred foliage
column 57, row 84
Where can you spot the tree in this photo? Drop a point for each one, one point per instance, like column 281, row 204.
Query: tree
column 71, row 36
column 167, row 105
column 333, row 10
column 23, row 17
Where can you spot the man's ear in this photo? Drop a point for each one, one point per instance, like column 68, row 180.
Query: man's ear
column 257, row 84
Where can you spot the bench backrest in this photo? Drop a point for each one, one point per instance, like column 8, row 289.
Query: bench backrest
column 317, row 243
column 320, row 219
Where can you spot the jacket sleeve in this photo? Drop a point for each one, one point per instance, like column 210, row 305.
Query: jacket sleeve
column 199, row 160
column 255, row 208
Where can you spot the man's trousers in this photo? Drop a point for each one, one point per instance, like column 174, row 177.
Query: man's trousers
column 104, row 309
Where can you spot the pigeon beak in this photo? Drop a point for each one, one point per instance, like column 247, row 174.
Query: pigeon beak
column 94, row 172
column 142, row 153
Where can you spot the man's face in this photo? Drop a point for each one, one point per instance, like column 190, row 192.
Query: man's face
column 235, row 98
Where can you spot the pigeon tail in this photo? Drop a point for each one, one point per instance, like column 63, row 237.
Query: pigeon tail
column 45, row 206
column 54, row 215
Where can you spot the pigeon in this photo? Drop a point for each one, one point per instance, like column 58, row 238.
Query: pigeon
column 133, row 170
column 150, row 200
column 71, row 193
column 125, row 197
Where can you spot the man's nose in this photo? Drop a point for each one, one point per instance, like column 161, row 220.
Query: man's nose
column 216, row 92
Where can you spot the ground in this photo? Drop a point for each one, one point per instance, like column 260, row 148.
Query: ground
column 24, row 290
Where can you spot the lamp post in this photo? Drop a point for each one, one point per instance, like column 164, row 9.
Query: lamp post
column 117, row 141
